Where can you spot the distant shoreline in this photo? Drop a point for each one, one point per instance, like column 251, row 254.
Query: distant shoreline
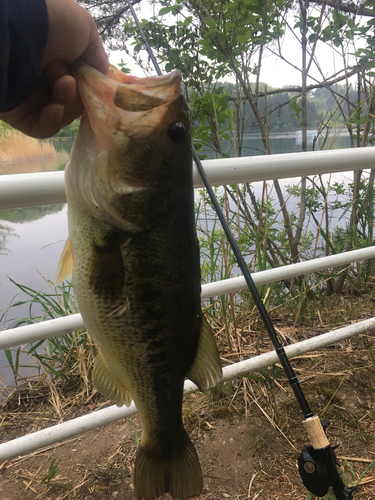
column 17, row 148
column 30, row 164
column 25, row 159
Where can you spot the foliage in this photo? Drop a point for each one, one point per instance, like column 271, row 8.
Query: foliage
column 66, row 359
column 52, row 470
column 15, row 146
column 70, row 130
column 211, row 42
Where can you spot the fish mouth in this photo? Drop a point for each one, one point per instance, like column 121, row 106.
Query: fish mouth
column 126, row 121
column 139, row 94
column 123, row 102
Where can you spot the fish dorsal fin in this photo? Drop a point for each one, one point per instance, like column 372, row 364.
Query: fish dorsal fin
column 105, row 382
column 206, row 368
column 65, row 267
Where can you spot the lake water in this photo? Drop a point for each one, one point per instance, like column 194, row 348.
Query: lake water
column 287, row 142
column 32, row 239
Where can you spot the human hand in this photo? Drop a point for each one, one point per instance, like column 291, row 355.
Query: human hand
column 55, row 102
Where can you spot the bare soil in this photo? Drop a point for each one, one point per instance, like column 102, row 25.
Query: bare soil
column 248, row 433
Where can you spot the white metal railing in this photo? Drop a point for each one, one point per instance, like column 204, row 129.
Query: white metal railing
column 66, row 324
column 44, row 188
column 25, row 190
column 79, row 425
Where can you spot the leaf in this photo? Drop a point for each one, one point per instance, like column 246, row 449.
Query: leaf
column 51, row 473
column 294, row 105
column 165, row 10
column 324, row 235
column 242, row 38
column 210, row 23
column 256, row 378
column 337, row 41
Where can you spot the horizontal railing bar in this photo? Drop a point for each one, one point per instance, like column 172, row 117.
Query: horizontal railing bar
column 65, row 430
column 30, row 190
column 39, row 331
column 66, row 324
column 288, row 272
column 284, row 166
column 43, row 188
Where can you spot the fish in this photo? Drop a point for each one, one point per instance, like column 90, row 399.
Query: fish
column 134, row 257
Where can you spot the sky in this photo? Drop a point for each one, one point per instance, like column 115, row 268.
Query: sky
column 274, row 71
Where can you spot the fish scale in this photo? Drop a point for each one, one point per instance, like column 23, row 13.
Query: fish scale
column 134, row 256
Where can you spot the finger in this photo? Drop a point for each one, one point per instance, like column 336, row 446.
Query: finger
column 65, row 93
column 71, row 112
column 49, row 121
column 95, row 55
column 40, row 125
column 65, row 90
column 56, row 70
column 65, row 108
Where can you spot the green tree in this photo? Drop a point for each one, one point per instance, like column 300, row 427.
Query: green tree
column 216, row 40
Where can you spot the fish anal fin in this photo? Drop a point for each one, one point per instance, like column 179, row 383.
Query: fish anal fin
column 108, row 385
column 178, row 474
column 65, row 267
column 206, row 368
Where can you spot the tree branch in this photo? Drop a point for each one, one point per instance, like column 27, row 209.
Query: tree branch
column 346, row 7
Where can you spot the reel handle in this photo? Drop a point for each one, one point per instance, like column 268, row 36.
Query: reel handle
column 317, row 464
column 316, row 432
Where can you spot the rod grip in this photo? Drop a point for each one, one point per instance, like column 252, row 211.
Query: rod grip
column 315, row 431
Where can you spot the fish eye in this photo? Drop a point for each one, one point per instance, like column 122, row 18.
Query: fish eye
column 176, row 132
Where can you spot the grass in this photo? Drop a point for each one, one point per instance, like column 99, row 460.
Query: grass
column 18, row 147
column 67, row 359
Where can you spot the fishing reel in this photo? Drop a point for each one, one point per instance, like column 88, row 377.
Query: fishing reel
column 318, row 470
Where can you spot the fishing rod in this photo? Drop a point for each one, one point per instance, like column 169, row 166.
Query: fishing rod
column 317, row 463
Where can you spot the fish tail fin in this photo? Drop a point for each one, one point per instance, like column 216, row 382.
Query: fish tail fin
column 179, row 474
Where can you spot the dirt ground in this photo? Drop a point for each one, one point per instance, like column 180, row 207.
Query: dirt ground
column 248, row 432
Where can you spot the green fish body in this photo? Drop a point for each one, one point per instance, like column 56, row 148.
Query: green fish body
column 135, row 262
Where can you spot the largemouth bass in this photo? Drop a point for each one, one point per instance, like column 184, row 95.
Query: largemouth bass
column 134, row 256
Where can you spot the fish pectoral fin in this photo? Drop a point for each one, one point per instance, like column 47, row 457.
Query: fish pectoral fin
column 65, row 267
column 108, row 385
column 106, row 271
column 206, row 368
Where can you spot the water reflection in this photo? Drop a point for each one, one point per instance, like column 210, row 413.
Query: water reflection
column 35, row 245
column 31, row 241
column 287, row 142
column 33, row 251
column 28, row 214
column 5, row 232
